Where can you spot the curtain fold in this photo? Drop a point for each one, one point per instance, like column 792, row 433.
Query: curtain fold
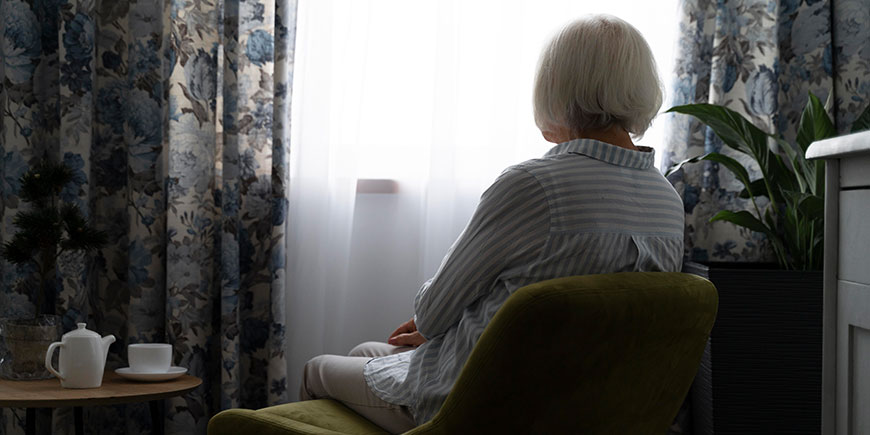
column 760, row 58
column 173, row 116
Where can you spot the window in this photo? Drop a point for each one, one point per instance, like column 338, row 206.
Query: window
column 412, row 82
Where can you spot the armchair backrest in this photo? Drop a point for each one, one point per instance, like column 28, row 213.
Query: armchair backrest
column 593, row 354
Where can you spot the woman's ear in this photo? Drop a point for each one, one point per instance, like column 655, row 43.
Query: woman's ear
column 558, row 134
column 549, row 136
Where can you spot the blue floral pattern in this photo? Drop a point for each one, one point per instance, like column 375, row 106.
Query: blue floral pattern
column 129, row 93
column 260, row 47
column 21, row 40
column 760, row 58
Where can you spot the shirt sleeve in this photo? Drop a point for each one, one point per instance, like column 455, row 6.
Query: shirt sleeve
column 508, row 230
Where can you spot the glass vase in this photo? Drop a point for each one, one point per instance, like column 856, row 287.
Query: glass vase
column 23, row 343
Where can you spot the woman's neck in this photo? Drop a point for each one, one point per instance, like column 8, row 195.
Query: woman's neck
column 613, row 135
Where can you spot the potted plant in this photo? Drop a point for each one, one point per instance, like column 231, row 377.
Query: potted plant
column 762, row 371
column 48, row 228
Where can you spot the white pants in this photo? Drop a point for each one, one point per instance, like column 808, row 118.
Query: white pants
column 341, row 378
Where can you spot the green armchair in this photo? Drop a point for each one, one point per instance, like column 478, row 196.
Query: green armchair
column 593, row 354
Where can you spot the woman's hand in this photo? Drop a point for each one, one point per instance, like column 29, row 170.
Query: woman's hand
column 406, row 335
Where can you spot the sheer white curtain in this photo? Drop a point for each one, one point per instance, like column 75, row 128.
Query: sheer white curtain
column 434, row 94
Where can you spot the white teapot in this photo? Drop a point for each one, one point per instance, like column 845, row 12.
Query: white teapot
column 82, row 358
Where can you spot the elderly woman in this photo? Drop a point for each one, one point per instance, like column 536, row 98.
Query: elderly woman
column 592, row 204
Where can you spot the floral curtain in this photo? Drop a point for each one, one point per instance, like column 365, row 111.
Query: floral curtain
column 174, row 117
column 760, row 58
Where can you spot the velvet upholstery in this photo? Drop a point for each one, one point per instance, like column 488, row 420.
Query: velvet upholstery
column 593, row 354
column 321, row 417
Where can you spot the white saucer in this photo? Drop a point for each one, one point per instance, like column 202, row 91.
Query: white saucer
column 173, row 373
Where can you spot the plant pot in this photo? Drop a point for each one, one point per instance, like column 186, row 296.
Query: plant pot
column 23, row 343
column 762, row 370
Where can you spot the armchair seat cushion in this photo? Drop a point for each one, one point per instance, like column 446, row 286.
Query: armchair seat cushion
column 320, row 417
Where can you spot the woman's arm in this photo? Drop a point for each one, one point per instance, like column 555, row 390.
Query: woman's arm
column 508, row 230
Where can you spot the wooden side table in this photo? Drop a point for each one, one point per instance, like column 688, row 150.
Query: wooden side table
column 115, row 390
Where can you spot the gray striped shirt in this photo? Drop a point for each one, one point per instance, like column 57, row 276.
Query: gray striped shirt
column 586, row 207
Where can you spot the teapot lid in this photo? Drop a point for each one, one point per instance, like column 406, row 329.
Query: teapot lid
column 81, row 332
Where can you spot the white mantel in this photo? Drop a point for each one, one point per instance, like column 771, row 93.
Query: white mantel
column 846, row 335
column 838, row 147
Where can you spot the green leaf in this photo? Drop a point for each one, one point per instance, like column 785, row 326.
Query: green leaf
column 802, row 170
column 734, row 130
column 676, row 167
column 814, row 124
column 41, row 183
column 820, row 177
column 812, row 207
column 744, row 219
column 84, row 238
column 758, row 189
column 780, row 177
column 18, row 251
column 733, row 165
column 769, row 219
column 863, row 121
column 794, row 245
column 803, row 230
column 38, row 221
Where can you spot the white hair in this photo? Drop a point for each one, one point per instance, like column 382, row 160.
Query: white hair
column 597, row 72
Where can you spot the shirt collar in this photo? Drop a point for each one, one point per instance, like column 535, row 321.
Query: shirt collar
column 606, row 153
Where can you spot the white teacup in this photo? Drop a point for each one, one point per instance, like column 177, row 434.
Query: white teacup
column 149, row 357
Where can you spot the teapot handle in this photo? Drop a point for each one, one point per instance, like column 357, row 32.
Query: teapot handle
column 48, row 356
